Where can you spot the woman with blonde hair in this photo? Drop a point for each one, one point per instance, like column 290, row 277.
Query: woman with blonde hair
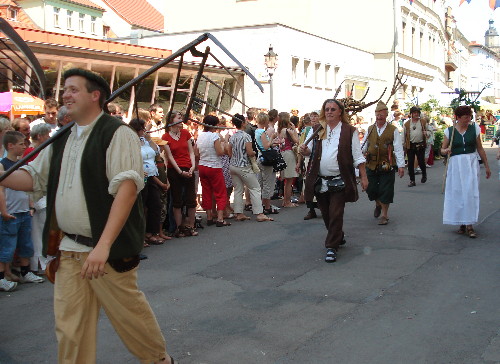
column 5, row 125
column 288, row 138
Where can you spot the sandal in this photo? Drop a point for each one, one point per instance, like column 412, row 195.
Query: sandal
column 471, row 233
column 461, row 230
column 190, row 231
column 291, row 205
column 211, row 222
column 242, row 218
column 146, row 245
column 154, row 240
column 222, row 223
column 265, row 218
column 270, row 211
column 248, row 207
column 180, row 232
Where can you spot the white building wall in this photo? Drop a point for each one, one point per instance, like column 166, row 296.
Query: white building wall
column 291, row 90
column 43, row 14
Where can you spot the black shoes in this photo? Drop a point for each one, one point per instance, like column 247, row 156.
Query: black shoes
column 424, row 179
column 310, row 215
column 331, row 256
column 377, row 211
column 412, row 184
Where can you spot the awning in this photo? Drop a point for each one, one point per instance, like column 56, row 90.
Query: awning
column 20, row 103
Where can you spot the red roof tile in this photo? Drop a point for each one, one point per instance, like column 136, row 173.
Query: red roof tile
column 76, row 42
column 23, row 20
column 86, row 3
column 138, row 13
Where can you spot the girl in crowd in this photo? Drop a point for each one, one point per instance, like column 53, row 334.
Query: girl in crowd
column 461, row 197
column 225, row 135
column 267, row 176
column 151, row 192
column 288, row 137
column 209, row 148
column 4, row 126
column 39, row 133
column 240, row 149
column 181, row 165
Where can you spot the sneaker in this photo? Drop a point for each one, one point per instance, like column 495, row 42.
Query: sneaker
column 331, row 256
column 31, row 278
column 7, row 286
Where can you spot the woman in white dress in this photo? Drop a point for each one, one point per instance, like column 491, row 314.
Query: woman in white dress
column 461, row 199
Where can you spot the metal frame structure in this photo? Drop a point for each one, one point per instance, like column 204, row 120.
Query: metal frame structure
column 136, row 82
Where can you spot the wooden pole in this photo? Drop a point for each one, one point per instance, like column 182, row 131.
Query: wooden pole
column 448, row 158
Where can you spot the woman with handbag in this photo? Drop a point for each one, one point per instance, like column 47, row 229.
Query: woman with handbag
column 335, row 152
column 267, row 176
column 289, row 138
column 462, row 143
column 240, row 151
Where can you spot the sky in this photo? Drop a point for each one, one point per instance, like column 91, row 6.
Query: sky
column 472, row 19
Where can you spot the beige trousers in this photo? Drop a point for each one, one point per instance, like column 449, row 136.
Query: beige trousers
column 77, row 303
column 245, row 177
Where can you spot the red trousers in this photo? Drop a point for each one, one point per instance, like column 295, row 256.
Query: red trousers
column 212, row 182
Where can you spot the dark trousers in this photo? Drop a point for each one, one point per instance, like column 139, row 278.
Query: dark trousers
column 152, row 206
column 331, row 205
column 420, row 153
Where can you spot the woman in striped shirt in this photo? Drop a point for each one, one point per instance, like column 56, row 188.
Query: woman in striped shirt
column 240, row 150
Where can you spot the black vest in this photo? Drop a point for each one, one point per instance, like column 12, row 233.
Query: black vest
column 130, row 240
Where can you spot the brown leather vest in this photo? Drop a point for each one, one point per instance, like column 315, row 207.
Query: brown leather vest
column 378, row 152
column 344, row 159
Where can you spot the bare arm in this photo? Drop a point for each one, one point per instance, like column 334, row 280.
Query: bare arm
column 249, row 149
column 219, row 148
column 191, row 156
column 120, row 210
column 482, row 154
column 265, row 142
column 19, row 180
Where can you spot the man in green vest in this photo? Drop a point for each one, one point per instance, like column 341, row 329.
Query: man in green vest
column 92, row 176
column 384, row 155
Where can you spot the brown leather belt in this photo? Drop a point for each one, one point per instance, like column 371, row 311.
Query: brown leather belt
column 80, row 239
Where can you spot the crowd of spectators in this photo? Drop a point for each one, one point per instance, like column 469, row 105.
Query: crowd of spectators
column 191, row 165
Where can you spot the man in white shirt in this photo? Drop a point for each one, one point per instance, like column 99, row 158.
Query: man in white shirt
column 95, row 176
column 50, row 117
column 384, row 154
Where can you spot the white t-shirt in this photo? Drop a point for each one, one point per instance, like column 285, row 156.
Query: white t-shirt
column 208, row 155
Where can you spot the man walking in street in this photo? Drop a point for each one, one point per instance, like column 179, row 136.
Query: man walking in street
column 92, row 176
column 415, row 138
column 384, row 154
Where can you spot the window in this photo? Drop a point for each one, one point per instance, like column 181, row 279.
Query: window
column 69, row 19
column 317, row 74
column 404, row 38
column 328, row 83
column 56, row 17
column 295, row 63
column 93, row 25
column 307, row 73
column 13, row 14
column 81, row 23
column 105, row 31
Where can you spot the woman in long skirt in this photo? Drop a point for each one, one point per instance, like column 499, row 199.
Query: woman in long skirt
column 461, row 199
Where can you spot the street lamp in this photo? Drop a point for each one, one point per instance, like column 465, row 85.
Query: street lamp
column 271, row 62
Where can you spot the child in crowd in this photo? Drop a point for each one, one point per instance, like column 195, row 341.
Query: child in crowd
column 15, row 230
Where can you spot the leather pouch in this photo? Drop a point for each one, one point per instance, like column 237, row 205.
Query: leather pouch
column 125, row 264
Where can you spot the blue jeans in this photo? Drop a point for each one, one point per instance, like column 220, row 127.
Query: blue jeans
column 16, row 233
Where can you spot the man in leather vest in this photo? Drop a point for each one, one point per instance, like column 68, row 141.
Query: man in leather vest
column 92, row 176
column 335, row 152
column 384, row 154
column 415, row 139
